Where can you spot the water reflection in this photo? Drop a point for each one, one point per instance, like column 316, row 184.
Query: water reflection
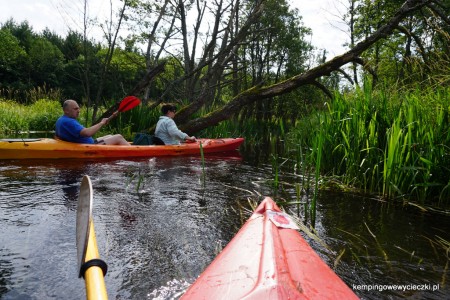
column 180, row 229
column 160, row 221
column 377, row 245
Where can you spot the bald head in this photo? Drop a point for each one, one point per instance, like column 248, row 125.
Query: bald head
column 69, row 103
column 71, row 108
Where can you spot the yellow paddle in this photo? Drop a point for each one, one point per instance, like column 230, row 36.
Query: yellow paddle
column 90, row 266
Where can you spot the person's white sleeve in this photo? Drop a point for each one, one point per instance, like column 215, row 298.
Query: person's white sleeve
column 175, row 132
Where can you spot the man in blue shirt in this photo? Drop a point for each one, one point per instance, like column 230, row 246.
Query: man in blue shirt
column 167, row 130
column 69, row 129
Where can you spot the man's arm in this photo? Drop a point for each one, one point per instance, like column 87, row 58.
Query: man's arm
column 90, row 131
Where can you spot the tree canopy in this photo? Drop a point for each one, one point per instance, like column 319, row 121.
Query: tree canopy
column 226, row 57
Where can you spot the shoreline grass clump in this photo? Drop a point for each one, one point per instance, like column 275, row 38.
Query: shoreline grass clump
column 40, row 115
column 395, row 144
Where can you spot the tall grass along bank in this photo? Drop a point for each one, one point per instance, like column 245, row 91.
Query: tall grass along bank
column 395, row 144
column 39, row 116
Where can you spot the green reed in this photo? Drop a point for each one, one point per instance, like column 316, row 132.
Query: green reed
column 318, row 154
column 202, row 155
column 132, row 176
column 12, row 117
column 390, row 142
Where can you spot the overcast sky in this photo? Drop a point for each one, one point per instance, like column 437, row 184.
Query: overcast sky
column 322, row 16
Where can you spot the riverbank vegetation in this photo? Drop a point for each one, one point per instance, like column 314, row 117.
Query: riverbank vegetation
column 391, row 142
column 38, row 116
column 374, row 118
column 386, row 141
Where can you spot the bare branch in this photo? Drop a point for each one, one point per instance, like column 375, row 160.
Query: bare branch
column 256, row 94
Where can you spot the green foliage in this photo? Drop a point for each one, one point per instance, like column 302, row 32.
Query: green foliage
column 396, row 144
column 172, row 70
column 10, row 50
column 12, row 117
column 39, row 116
column 277, row 44
column 138, row 119
column 14, row 61
column 47, row 63
column 72, row 65
column 23, row 32
column 411, row 52
column 42, row 114
column 124, row 65
column 276, row 49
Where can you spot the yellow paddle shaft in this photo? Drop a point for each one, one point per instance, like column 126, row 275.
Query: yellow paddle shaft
column 95, row 283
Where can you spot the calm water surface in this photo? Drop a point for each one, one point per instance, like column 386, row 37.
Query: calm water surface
column 159, row 222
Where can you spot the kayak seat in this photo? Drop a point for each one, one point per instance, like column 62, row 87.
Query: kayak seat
column 157, row 141
column 147, row 139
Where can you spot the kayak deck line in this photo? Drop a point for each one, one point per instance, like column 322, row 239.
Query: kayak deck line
column 19, row 140
column 47, row 148
column 268, row 259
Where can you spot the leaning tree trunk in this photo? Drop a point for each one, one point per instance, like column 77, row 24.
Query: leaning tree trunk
column 259, row 93
column 137, row 90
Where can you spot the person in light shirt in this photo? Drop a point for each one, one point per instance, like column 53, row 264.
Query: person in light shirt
column 167, row 130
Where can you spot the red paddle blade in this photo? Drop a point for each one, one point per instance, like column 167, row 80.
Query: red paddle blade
column 128, row 103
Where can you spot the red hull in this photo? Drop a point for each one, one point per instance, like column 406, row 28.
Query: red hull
column 264, row 261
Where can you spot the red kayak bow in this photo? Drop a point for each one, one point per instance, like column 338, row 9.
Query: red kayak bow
column 268, row 259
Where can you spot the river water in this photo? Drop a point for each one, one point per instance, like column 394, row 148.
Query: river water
column 160, row 221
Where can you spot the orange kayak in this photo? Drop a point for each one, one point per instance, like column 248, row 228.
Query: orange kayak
column 267, row 259
column 51, row 148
